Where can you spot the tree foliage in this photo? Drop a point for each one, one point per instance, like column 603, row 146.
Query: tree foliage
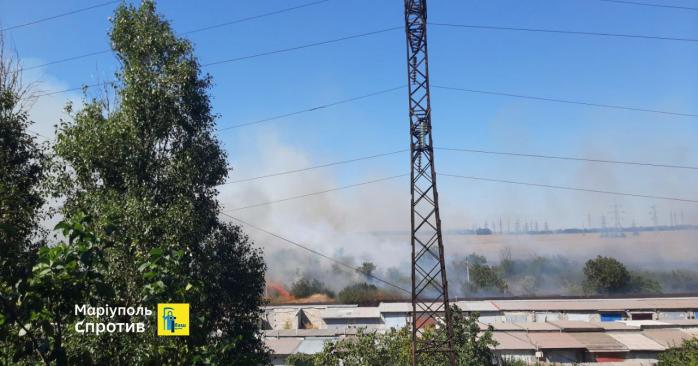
column 305, row 287
column 685, row 355
column 38, row 311
column 482, row 278
column 367, row 269
column 365, row 294
column 605, row 275
column 21, row 173
column 148, row 168
column 487, row 279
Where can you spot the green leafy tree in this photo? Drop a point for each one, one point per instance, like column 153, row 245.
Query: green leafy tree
column 39, row 311
column 605, row 275
column 685, row 355
column 22, row 163
column 21, row 172
column 487, row 279
column 305, row 287
column 365, row 294
column 643, row 283
column 21, row 158
column 367, row 269
column 300, row 359
column 482, row 277
column 149, row 167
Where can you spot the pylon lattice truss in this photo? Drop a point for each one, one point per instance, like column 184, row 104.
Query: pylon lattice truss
column 430, row 304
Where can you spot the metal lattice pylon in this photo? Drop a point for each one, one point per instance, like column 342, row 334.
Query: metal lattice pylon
column 430, row 305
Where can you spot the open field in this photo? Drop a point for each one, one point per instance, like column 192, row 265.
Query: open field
column 651, row 250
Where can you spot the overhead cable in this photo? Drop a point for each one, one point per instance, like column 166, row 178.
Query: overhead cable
column 316, row 167
column 561, row 31
column 654, row 5
column 205, row 28
column 317, row 253
column 316, row 193
column 570, row 188
column 41, row 20
column 572, row 158
column 567, row 101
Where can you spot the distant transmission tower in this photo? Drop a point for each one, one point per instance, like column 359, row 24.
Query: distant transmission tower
column 430, row 304
column 653, row 214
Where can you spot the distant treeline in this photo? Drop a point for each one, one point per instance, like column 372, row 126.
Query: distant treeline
column 574, row 230
column 599, row 230
column 474, row 276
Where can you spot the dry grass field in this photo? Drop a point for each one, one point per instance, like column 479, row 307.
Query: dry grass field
column 651, row 250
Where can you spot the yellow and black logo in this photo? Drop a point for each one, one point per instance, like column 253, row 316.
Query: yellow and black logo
column 173, row 319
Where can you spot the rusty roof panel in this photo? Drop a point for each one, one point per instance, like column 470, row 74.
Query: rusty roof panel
column 599, row 342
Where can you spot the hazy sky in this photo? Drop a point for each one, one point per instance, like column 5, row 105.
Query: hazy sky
column 652, row 74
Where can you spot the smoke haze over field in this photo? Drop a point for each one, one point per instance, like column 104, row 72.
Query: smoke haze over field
column 371, row 223
column 361, row 223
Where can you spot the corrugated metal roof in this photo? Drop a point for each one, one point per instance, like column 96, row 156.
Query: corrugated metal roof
column 399, row 307
column 354, row 313
column 282, row 346
column 506, row 326
column 311, row 346
column 481, row 306
column 646, row 324
column 308, row 332
column 688, row 303
column 508, row 341
column 572, row 326
column 591, row 305
column 554, row 340
column 395, row 307
column 636, row 341
column 687, row 323
column 537, row 327
column 667, row 337
column 610, row 326
column 597, row 304
column 599, row 342
column 309, row 306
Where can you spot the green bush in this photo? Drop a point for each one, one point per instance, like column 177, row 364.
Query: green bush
column 365, row 294
column 686, row 355
column 306, row 287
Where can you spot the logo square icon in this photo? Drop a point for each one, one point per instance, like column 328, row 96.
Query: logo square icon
column 173, row 319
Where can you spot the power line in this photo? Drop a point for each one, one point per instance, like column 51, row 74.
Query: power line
column 236, row 21
column 650, row 4
column 569, row 188
column 313, row 251
column 568, row 101
column 58, row 16
column 332, row 104
column 478, row 151
column 316, row 193
column 308, row 45
column 254, row 17
column 281, row 116
column 572, row 158
column 76, row 88
column 317, row 166
column 283, row 50
column 65, row 60
column 559, row 31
